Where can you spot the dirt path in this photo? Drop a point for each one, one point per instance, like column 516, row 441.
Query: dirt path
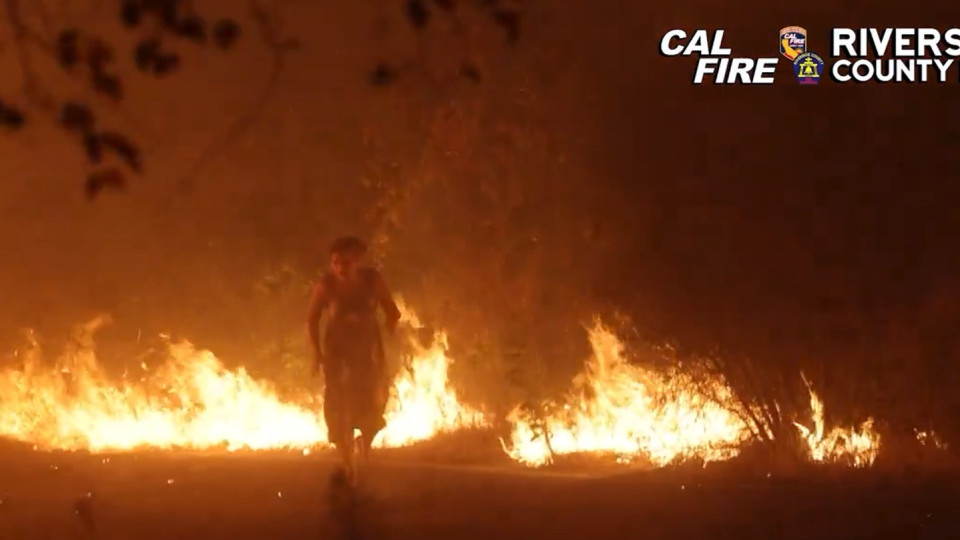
column 288, row 496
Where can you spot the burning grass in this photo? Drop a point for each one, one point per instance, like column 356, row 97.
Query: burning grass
column 616, row 411
column 632, row 413
column 192, row 401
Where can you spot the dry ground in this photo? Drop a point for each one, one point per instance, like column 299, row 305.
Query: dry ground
column 274, row 496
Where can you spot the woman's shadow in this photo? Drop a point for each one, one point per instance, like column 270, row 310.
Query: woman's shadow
column 352, row 509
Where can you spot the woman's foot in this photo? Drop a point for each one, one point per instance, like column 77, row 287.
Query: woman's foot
column 363, row 453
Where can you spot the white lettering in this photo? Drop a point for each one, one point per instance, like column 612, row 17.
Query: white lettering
column 843, row 38
column 864, row 74
column 835, row 71
column 924, row 65
column 740, row 70
column 766, row 67
column 892, row 70
column 879, row 43
column 898, row 43
column 928, row 38
column 666, row 49
column 705, row 66
column 699, row 44
column 889, row 74
column 903, row 42
column 952, row 37
column 735, row 70
column 718, row 49
column 905, row 72
column 943, row 66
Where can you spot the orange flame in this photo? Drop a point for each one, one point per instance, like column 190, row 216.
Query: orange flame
column 632, row 412
column 857, row 446
column 930, row 438
column 421, row 402
column 193, row 401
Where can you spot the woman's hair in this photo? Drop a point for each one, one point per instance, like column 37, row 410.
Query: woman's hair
column 348, row 245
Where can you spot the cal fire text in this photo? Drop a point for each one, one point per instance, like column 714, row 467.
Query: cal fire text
column 716, row 61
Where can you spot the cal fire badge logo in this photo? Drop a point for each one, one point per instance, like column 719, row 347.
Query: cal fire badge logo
column 807, row 66
column 793, row 42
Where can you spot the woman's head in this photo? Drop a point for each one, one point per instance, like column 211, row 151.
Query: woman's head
column 346, row 253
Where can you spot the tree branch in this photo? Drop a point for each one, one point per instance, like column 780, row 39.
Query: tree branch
column 279, row 48
column 20, row 34
column 25, row 37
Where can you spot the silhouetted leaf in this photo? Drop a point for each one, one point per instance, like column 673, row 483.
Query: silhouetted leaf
column 112, row 178
column 417, row 13
column 166, row 64
column 145, row 53
column 122, row 146
column 76, row 117
column 382, row 75
column 509, row 20
column 99, row 54
column 11, row 117
column 93, row 148
column 192, row 28
column 166, row 10
column 68, row 47
column 470, row 72
column 225, row 33
column 15, row 118
column 131, row 13
column 108, row 85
